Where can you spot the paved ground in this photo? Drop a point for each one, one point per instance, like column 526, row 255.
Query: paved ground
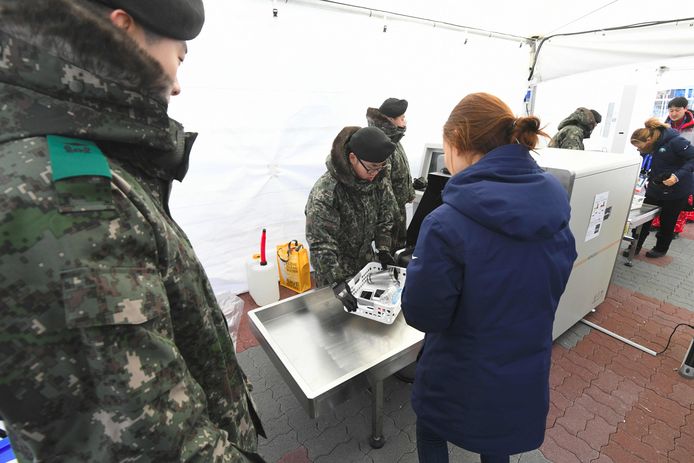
column 610, row 403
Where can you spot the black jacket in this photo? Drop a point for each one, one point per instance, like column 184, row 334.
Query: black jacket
column 672, row 154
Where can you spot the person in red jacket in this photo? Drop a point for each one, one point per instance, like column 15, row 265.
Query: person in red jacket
column 682, row 120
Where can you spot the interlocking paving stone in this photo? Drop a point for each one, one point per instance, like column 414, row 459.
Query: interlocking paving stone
column 410, row 457
column 269, row 407
column 277, row 426
column 597, row 432
column 348, row 452
column 555, row 453
column 568, row 441
column 568, row 340
column 298, row 455
column 403, row 416
column 277, row 446
column 532, row 457
column 461, row 455
column 327, row 441
column 400, row 444
column 575, row 419
column 305, row 427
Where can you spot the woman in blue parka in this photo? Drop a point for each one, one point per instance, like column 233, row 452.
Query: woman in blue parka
column 669, row 163
column 484, row 283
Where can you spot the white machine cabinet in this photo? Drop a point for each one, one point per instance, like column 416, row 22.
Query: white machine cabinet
column 600, row 187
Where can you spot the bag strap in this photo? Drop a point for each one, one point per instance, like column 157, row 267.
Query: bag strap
column 297, row 248
column 280, row 257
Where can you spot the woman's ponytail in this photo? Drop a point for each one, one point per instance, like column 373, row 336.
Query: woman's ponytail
column 527, row 131
column 481, row 122
column 650, row 127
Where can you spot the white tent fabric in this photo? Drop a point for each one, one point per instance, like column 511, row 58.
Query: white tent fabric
column 562, row 55
column 571, row 54
column 532, row 17
column 268, row 95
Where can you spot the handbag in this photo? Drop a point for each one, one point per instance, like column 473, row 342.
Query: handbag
column 293, row 266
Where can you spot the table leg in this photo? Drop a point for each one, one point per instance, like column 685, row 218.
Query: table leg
column 377, row 440
column 633, row 245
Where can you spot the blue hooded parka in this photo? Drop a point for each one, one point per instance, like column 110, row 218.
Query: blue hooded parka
column 488, row 270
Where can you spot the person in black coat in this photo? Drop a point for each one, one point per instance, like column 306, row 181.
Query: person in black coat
column 484, row 284
column 669, row 163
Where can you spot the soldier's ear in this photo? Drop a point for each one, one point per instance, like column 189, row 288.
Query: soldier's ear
column 122, row 20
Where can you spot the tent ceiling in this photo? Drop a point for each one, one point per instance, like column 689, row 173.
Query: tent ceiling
column 563, row 54
column 535, row 17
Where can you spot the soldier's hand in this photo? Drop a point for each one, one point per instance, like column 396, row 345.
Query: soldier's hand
column 420, row 183
column 344, row 295
column 385, row 259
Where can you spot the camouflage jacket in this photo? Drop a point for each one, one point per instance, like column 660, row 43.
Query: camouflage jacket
column 113, row 345
column 400, row 177
column 573, row 130
column 344, row 215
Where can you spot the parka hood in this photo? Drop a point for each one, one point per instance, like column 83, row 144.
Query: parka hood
column 376, row 118
column 65, row 71
column 495, row 192
column 670, row 136
column 79, row 38
column 339, row 167
column 583, row 118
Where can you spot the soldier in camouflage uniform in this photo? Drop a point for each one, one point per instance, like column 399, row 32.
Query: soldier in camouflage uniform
column 390, row 118
column 350, row 206
column 575, row 128
column 113, row 345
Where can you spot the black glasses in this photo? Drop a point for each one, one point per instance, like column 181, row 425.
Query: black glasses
column 372, row 169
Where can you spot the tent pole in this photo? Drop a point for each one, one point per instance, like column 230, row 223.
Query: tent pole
column 532, row 81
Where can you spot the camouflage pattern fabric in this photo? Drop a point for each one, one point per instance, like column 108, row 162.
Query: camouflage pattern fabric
column 344, row 215
column 113, row 345
column 573, row 130
column 400, row 176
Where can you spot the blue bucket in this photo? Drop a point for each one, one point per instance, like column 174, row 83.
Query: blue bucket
column 6, row 453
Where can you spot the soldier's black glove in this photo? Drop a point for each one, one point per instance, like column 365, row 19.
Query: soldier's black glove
column 385, row 259
column 344, row 295
column 420, row 183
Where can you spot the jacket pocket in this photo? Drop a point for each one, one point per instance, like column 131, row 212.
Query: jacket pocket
column 113, row 296
column 85, row 194
column 122, row 316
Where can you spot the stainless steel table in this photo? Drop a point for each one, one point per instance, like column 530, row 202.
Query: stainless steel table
column 637, row 217
column 324, row 354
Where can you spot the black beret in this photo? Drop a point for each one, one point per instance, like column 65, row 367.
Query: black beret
column 371, row 144
column 596, row 116
column 175, row 19
column 393, row 107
